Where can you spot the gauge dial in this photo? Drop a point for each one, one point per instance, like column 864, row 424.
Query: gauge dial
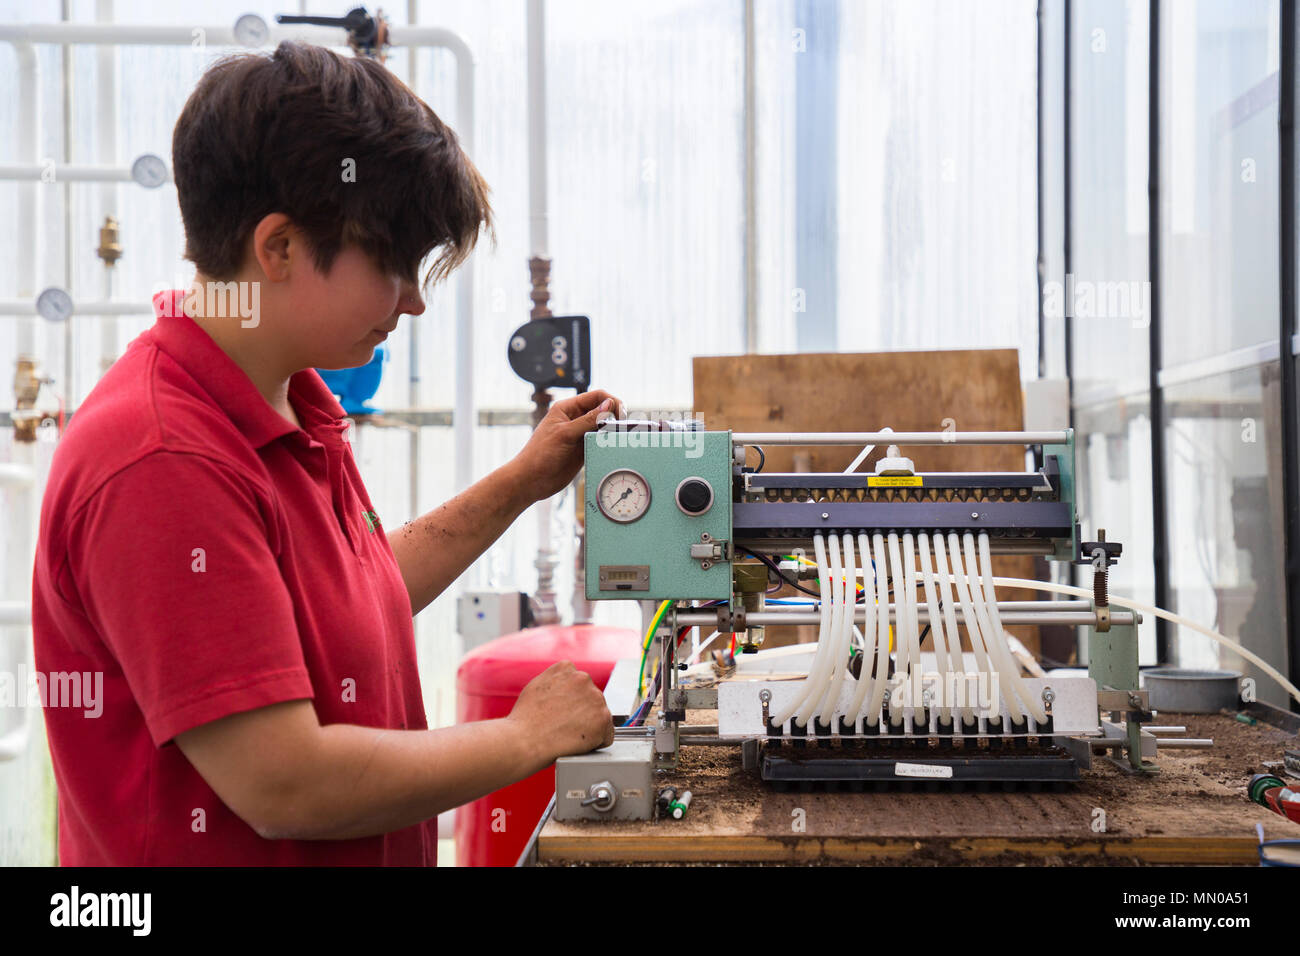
column 149, row 171
column 623, row 495
column 54, row 304
column 251, row 30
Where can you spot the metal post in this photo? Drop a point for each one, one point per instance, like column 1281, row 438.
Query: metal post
column 1159, row 511
column 1286, row 353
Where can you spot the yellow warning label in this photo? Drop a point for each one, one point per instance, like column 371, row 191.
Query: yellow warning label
column 894, row 481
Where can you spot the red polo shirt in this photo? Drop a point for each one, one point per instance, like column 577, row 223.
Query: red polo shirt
column 207, row 557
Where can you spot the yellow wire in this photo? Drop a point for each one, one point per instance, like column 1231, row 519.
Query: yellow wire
column 645, row 644
column 654, row 622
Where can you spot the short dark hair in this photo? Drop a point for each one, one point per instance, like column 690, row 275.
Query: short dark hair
column 273, row 133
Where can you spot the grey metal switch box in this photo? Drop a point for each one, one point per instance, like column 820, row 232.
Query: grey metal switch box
column 616, row 783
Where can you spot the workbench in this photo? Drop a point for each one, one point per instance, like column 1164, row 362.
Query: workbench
column 1193, row 811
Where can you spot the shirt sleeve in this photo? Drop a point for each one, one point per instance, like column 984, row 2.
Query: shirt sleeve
column 175, row 562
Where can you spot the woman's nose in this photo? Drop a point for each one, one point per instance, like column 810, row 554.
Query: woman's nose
column 412, row 302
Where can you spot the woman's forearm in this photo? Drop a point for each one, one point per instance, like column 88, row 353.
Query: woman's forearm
column 434, row 549
column 376, row 781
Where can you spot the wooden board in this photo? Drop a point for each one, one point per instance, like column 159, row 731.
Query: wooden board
column 962, row 389
column 1193, row 812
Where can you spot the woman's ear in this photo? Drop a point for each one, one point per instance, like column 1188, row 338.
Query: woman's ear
column 276, row 244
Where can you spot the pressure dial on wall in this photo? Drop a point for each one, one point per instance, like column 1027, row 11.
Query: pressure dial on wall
column 623, row 495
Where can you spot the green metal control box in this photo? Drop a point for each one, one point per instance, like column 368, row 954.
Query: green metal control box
column 658, row 515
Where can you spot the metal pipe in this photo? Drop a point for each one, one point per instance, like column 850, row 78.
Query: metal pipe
column 647, row 731
column 101, row 309
column 28, row 265
column 776, row 618
column 15, row 614
column 78, row 173
column 1185, row 743
column 116, row 34
column 900, row 438
column 106, row 154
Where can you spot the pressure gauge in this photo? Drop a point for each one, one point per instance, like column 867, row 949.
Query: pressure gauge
column 54, row 305
column 149, row 171
column 623, row 495
column 251, row 30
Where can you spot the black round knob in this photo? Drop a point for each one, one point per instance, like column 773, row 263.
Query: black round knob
column 694, row 496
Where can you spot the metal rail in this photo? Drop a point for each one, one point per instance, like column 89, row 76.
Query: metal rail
column 900, row 438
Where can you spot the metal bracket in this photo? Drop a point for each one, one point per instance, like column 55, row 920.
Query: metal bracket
column 1125, row 700
column 709, row 551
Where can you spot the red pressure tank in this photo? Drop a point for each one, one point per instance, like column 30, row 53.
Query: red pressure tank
column 494, row 830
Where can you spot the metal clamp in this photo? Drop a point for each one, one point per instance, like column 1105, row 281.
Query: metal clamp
column 732, row 620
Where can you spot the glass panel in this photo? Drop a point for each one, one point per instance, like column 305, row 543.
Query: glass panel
column 1108, row 295
column 937, row 181
column 1224, row 487
column 1219, row 177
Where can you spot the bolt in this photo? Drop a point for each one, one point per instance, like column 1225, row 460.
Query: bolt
column 825, row 515
column 765, row 696
column 975, row 515
column 1049, row 695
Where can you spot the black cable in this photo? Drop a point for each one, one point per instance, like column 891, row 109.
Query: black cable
column 762, row 457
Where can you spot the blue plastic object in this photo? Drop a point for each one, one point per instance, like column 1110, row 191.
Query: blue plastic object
column 356, row 386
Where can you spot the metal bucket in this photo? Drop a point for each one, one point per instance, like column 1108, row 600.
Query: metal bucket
column 1186, row 691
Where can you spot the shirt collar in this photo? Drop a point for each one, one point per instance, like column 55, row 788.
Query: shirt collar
column 233, row 391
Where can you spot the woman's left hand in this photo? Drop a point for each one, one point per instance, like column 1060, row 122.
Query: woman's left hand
column 554, row 453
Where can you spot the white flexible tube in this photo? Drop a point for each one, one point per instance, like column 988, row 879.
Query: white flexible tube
column 915, row 676
column 868, row 632
column 700, row 650
column 861, row 641
column 936, row 625
column 971, row 620
column 781, row 716
column 1032, row 703
column 901, row 646
column 812, row 706
column 882, row 634
column 1127, row 602
column 849, row 597
column 980, row 603
column 949, row 603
